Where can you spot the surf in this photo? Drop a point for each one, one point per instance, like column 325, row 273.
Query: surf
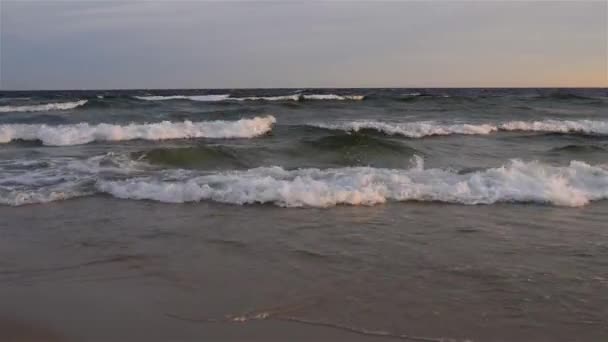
column 421, row 129
column 83, row 133
column 517, row 181
column 43, row 107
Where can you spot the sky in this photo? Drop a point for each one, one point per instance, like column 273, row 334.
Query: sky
column 294, row 44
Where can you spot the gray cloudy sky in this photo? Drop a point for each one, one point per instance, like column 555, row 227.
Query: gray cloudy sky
column 196, row 44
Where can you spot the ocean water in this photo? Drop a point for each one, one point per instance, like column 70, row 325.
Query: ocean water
column 460, row 213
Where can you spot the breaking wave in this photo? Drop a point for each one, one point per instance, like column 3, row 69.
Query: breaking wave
column 201, row 98
column 268, row 98
column 409, row 129
column 574, row 185
column 83, row 133
column 334, row 97
column 302, row 97
column 558, row 126
column 227, row 97
column 429, row 128
column 53, row 179
column 43, row 107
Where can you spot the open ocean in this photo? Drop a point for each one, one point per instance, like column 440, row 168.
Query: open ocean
column 477, row 214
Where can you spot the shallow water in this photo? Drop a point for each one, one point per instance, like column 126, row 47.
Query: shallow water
column 486, row 273
column 464, row 214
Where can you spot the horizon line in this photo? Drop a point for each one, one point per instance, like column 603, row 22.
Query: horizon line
column 305, row 88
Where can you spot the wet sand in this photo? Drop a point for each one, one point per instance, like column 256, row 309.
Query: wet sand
column 24, row 331
column 99, row 269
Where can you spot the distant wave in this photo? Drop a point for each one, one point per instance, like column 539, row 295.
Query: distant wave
column 227, row 97
column 339, row 149
column 196, row 157
column 408, row 129
column 43, row 107
column 268, row 98
column 558, row 126
column 428, row 128
column 334, row 97
column 302, row 97
column 201, row 98
column 574, row 185
column 576, row 148
column 565, row 96
column 83, row 133
column 361, row 142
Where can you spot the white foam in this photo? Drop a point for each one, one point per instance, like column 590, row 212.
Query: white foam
column 83, row 133
column 517, row 181
column 43, row 107
column 558, row 126
column 419, row 129
column 410, row 129
column 300, row 97
column 267, row 98
column 201, row 98
column 226, row 97
column 333, row 97
column 22, row 197
column 59, row 178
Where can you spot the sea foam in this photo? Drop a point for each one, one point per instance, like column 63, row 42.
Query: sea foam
column 201, row 98
column 83, row 133
column 43, row 107
column 558, row 126
column 574, row 185
column 227, row 97
column 301, row 97
column 59, row 178
column 422, row 129
column 409, row 129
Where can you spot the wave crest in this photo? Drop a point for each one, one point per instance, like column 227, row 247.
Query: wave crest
column 43, row 107
column 83, row 133
column 558, row 126
column 518, row 181
column 409, row 129
column 201, row 98
column 53, row 179
column 228, row 97
column 196, row 157
column 302, row 97
column 422, row 129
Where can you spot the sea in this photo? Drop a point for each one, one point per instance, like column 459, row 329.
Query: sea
column 430, row 214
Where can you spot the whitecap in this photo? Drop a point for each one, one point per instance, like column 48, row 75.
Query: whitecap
column 59, row 178
column 201, row 98
column 420, row 129
column 409, row 129
column 43, row 107
column 83, row 133
column 267, row 98
column 558, row 126
column 333, row 97
column 226, row 97
column 574, row 185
